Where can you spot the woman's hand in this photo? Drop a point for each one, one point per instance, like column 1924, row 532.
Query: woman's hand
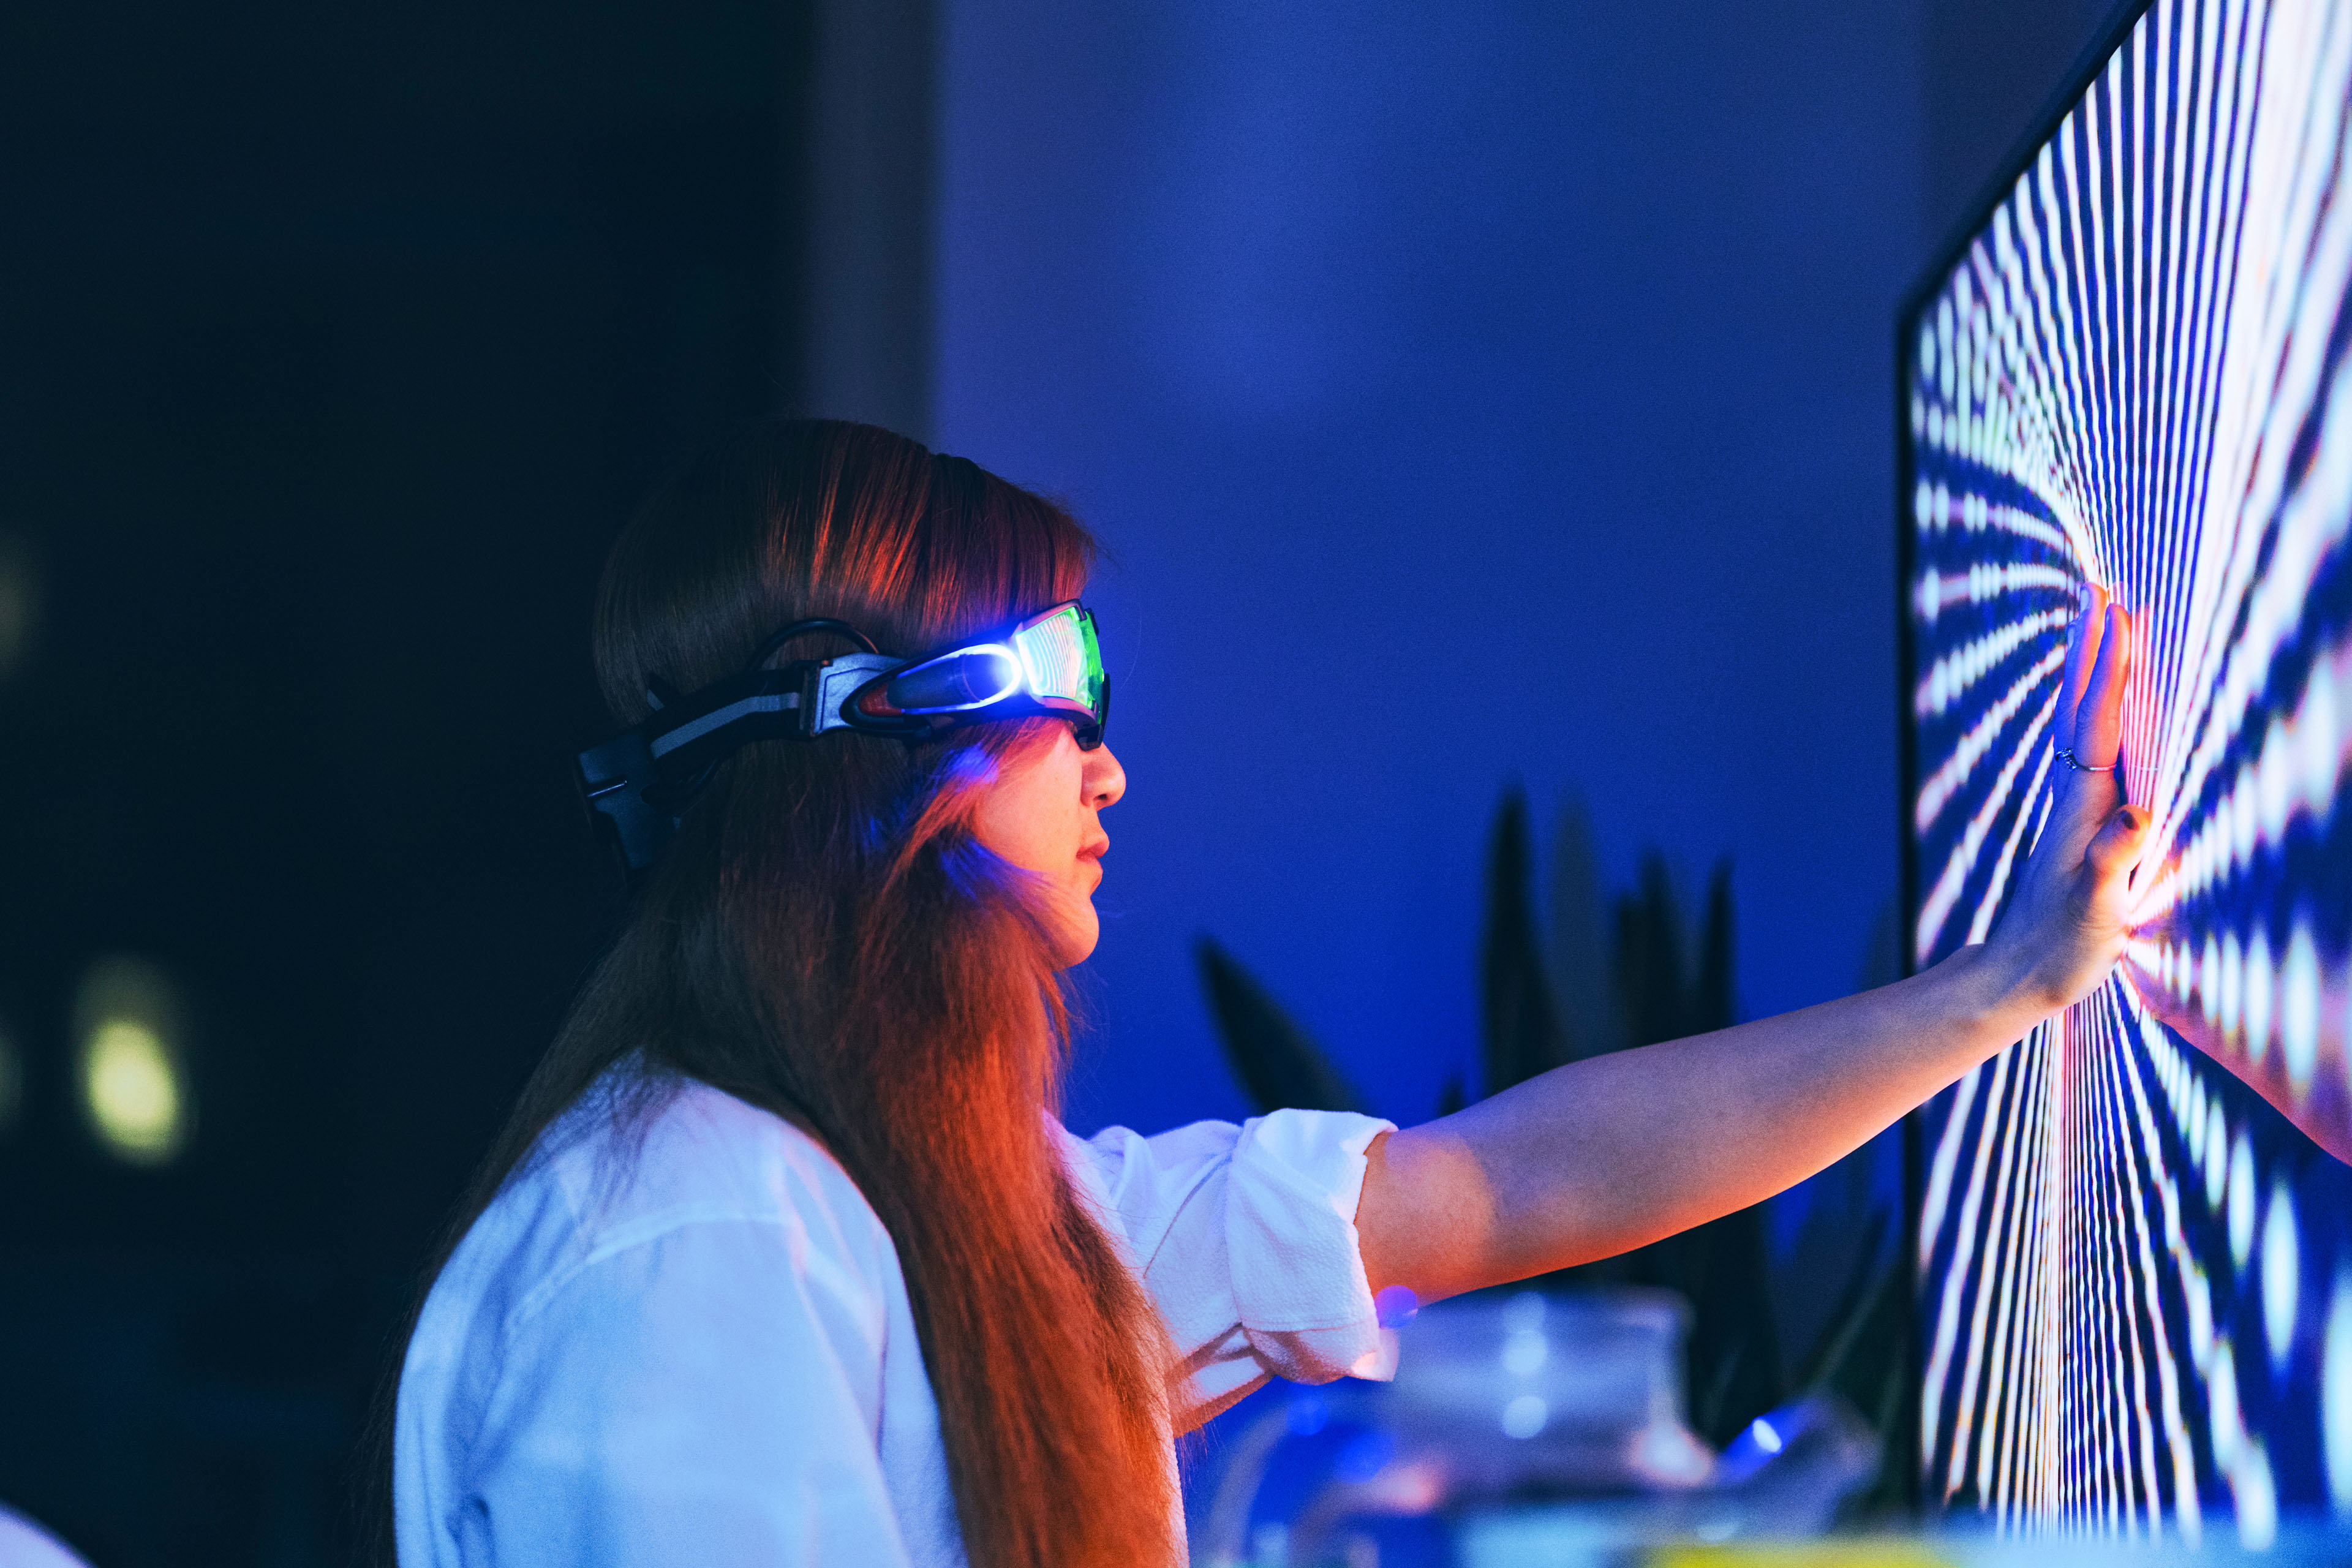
column 2064, row 928
column 1606, row 1153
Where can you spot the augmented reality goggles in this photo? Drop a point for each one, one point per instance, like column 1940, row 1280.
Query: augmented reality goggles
column 636, row 785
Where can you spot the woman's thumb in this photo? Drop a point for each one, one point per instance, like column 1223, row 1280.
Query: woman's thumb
column 2118, row 846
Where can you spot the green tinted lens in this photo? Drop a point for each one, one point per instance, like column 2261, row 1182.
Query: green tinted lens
column 1062, row 659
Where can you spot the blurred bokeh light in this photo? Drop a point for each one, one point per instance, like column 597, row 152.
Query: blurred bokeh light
column 20, row 598
column 134, row 1089
column 11, row 1082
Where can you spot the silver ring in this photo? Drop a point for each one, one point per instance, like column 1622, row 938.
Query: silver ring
column 2066, row 756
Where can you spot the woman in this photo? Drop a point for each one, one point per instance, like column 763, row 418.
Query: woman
column 783, row 1257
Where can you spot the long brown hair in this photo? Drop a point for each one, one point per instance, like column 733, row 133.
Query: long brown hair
column 826, row 939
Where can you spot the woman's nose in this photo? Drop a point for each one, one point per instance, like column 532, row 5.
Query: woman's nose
column 1104, row 781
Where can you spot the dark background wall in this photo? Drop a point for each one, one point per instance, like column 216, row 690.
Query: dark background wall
column 1532, row 361
column 334, row 347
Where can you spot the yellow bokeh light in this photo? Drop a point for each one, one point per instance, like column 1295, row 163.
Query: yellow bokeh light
column 133, row 1081
column 132, row 1090
column 132, row 1061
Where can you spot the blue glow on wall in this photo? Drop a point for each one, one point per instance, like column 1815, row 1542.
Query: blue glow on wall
column 1514, row 337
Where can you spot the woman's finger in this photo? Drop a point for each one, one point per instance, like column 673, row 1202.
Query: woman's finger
column 2098, row 721
column 2117, row 847
column 2082, row 651
column 2085, row 799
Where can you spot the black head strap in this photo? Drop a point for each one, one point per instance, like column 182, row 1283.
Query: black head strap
column 636, row 785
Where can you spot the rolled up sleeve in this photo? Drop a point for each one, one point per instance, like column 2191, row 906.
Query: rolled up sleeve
column 1246, row 1237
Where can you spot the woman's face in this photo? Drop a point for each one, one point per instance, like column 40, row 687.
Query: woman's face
column 1042, row 812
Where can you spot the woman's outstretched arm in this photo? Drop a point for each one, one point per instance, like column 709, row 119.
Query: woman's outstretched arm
column 1602, row 1155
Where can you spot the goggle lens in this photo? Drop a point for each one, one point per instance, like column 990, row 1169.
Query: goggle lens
column 1062, row 659
column 1051, row 663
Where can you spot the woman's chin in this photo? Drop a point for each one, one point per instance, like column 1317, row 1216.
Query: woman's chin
column 1076, row 934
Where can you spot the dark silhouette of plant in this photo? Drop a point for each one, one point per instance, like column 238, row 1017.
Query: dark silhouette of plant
column 1722, row 1268
column 1634, row 977
column 1523, row 1036
column 1861, row 1356
column 1277, row 1062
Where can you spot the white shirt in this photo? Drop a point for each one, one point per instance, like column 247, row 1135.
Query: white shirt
column 24, row 1545
column 695, row 1344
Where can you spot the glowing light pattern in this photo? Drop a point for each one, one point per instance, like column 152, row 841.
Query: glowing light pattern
column 1060, row 657
column 2135, row 1265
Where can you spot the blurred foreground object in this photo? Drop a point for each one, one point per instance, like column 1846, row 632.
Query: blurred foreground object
column 1518, row 1418
column 2301, row 1541
column 24, row 1545
column 1618, row 969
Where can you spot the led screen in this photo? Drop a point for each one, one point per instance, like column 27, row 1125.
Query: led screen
column 2135, row 1226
